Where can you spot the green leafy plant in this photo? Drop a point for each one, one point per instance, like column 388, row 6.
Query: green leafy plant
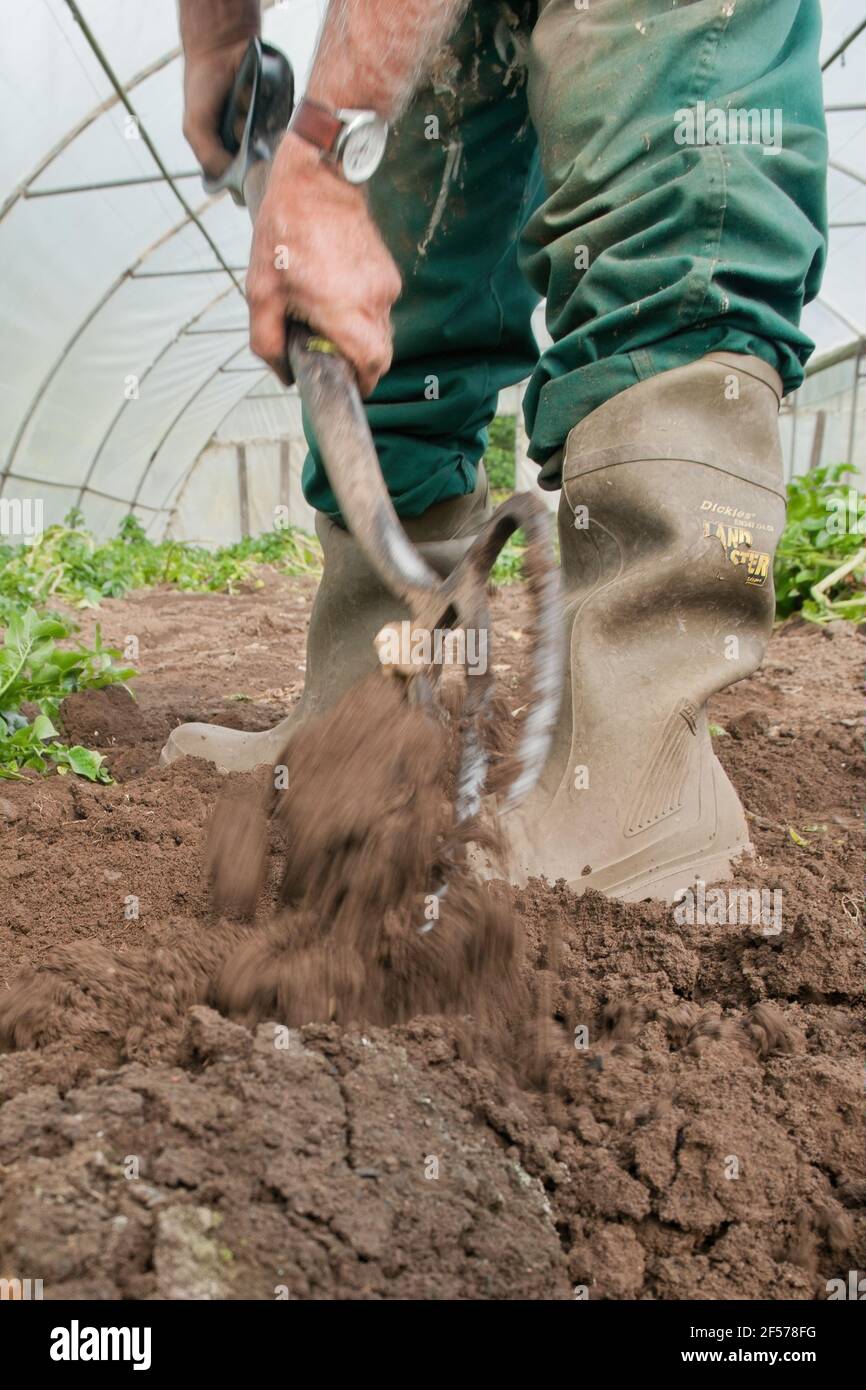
column 500, row 463
column 820, row 563
column 66, row 564
column 499, row 457
column 35, row 676
column 36, row 746
column 508, row 568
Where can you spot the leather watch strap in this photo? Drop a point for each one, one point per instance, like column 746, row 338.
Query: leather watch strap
column 316, row 124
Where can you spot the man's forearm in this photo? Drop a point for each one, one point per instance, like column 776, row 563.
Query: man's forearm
column 373, row 53
column 206, row 25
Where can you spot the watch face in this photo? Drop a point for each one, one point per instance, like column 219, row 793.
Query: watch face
column 363, row 148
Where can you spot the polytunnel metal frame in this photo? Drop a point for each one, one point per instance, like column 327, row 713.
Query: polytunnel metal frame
column 192, row 217
column 856, row 347
column 137, row 269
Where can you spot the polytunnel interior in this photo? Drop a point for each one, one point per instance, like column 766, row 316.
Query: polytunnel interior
column 126, row 381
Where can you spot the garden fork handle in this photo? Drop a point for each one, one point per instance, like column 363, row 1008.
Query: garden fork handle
column 329, row 390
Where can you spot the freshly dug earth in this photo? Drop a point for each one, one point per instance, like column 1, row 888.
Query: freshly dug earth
column 705, row 1142
column 366, row 830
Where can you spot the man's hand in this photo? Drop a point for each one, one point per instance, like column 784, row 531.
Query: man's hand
column 214, row 34
column 318, row 258
column 207, row 81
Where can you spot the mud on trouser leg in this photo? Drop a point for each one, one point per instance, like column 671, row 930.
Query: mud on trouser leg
column 654, row 245
column 458, row 181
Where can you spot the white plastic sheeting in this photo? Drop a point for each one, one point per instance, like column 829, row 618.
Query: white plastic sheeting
column 124, row 370
column 125, row 342
column 258, row 450
column 824, row 423
column 839, row 316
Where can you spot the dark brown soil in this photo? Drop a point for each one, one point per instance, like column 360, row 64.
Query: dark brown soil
column 706, row 1142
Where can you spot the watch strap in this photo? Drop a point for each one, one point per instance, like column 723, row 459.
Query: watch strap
column 316, row 124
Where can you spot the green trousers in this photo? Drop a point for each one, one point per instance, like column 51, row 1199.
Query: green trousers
column 654, row 169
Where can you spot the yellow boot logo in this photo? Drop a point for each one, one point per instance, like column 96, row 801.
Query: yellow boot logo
column 737, row 542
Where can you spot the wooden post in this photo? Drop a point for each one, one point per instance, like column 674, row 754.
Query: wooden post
column 243, row 491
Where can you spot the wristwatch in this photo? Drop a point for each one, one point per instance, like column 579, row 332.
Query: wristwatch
column 352, row 141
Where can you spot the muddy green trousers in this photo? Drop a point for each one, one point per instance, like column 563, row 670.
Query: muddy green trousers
column 655, row 170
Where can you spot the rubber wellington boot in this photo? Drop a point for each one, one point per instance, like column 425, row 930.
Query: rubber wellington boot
column 350, row 607
column 672, row 505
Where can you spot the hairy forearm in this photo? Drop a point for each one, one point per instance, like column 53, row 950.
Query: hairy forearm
column 206, row 25
column 372, row 54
